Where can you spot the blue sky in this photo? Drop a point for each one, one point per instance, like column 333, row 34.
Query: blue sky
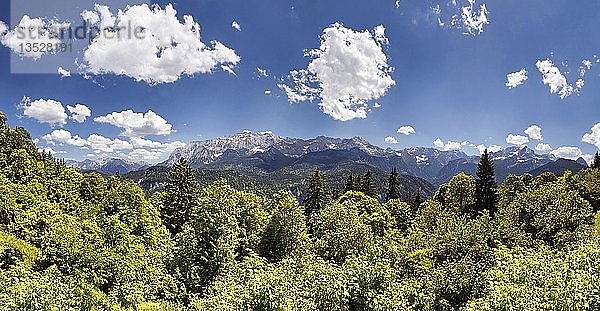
column 448, row 84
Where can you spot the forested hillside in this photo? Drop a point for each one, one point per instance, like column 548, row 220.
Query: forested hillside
column 73, row 241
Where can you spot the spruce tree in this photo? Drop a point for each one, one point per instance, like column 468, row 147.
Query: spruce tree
column 418, row 200
column 180, row 196
column 596, row 163
column 369, row 187
column 393, row 190
column 486, row 186
column 358, row 185
column 349, row 186
column 317, row 193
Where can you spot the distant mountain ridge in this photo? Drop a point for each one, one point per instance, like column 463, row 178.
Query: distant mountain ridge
column 270, row 152
column 250, row 152
column 108, row 165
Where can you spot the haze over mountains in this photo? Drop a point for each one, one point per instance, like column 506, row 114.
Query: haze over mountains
column 266, row 153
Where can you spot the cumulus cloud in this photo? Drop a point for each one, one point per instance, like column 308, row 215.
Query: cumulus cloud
column 391, row 140
column 552, row 77
column 235, row 25
column 79, row 113
column 516, row 78
column 137, row 124
column 518, row 140
column 103, row 144
column 377, row 105
column 406, row 130
column 164, row 50
column 593, row 137
column 571, row 153
column 450, row 145
column 149, row 150
column 44, row 111
column 63, row 137
column 30, row 31
column 534, row 132
column 348, row 70
column 490, row 149
column 543, row 147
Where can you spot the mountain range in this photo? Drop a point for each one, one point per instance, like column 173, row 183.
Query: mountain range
column 266, row 157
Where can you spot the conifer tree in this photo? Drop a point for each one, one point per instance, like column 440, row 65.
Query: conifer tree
column 393, row 191
column 180, row 197
column 418, row 200
column 486, row 186
column 350, row 185
column 596, row 163
column 358, row 185
column 317, row 193
column 369, row 187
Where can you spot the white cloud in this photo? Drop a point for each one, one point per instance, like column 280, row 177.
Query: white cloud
column 552, row 77
column 490, row 149
column 543, row 147
column 166, row 49
column 406, row 130
column 63, row 72
column 137, row 124
column 571, row 153
column 348, row 70
column 517, row 139
column 103, row 144
column 391, row 140
column 32, row 31
column 450, row 145
column 44, row 111
column 462, row 15
column 235, row 25
column 534, row 132
column 63, row 137
column 377, row 105
column 262, row 72
column 79, row 113
column 593, row 137
column 379, row 34
column 579, row 84
column 473, row 20
column 586, row 65
column 516, row 78
column 268, row 92
column 229, row 69
column 149, row 150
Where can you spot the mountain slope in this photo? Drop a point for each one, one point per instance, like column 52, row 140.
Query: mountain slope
column 559, row 167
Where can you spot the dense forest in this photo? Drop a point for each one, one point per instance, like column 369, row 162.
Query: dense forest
column 73, row 241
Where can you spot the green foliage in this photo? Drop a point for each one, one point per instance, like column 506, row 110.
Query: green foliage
column 403, row 214
column 586, row 182
column 286, row 232
column 72, row 241
column 543, row 279
column 180, row 196
column 459, row 194
column 339, row 232
column 551, row 212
